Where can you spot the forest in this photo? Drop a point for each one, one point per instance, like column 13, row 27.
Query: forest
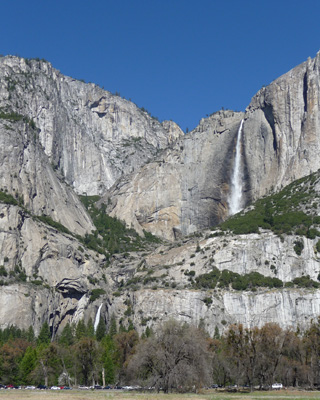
column 175, row 357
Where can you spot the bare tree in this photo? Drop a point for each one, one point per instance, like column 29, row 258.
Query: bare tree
column 177, row 357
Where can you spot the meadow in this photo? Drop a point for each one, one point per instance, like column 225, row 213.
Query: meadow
column 206, row 395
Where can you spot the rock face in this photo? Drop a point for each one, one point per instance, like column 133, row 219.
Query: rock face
column 186, row 187
column 281, row 143
column 281, row 129
column 162, row 288
column 46, row 272
column 26, row 173
column 90, row 135
column 60, row 275
column 60, row 137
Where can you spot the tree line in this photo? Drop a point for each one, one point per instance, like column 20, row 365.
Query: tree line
column 178, row 356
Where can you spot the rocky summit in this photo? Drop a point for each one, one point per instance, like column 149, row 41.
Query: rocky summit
column 104, row 207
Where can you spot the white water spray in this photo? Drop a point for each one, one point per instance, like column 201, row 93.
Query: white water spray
column 97, row 320
column 235, row 198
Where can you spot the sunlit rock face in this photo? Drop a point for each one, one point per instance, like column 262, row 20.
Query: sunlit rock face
column 91, row 136
column 27, row 174
column 191, row 186
column 288, row 308
column 186, row 187
column 48, row 272
column 265, row 253
column 281, row 129
column 61, row 274
column 76, row 138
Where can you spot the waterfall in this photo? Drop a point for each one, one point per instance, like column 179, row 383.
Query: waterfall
column 235, row 197
column 97, row 320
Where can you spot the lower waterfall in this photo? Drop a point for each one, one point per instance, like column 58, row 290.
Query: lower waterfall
column 96, row 322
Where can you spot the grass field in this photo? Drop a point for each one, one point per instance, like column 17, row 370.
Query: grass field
column 207, row 395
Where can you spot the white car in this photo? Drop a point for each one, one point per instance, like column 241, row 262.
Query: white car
column 277, row 386
column 30, row 387
column 55, row 388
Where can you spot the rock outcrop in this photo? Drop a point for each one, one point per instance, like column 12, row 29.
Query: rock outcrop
column 91, row 136
column 60, row 137
column 186, row 187
column 27, row 174
column 281, row 129
column 159, row 286
column 281, row 143
column 45, row 275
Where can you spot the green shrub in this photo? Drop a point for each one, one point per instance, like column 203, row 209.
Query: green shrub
column 37, row 282
column 54, row 224
column 207, row 301
column 8, row 199
column 128, row 311
column 226, row 278
column 95, row 294
column 306, row 282
column 111, row 235
column 298, row 247
column 208, row 280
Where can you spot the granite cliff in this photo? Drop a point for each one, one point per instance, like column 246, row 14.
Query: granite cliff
column 281, row 129
column 280, row 143
column 61, row 138
column 89, row 135
column 186, row 187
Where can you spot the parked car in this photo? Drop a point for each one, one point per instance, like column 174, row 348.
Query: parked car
column 30, row 387
column 55, row 388
column 41, row 387
column 277, row 386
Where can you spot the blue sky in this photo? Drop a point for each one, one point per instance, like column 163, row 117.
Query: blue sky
column 179, row 59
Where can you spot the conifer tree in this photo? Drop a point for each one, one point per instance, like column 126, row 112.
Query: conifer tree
column 44, row 335
column 101, row 330
column 90, row 328
column 27, row 365
column 66, row 338
column 81, row 330
column 113, row 326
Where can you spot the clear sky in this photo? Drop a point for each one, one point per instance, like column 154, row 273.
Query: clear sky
column 179, row 59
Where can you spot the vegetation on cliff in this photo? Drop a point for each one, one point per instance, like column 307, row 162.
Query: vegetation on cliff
column 112, row 235
column 293, row 211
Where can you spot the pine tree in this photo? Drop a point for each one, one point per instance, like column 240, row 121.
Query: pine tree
column 216, row 333
column 113, row 326
column 44, row 335
column 90, row 328
column 66, row 338
column 27, row 364
column 148, row 332
column 101, row 329
column 30, row 335
column 109, row 358
column 81, row 330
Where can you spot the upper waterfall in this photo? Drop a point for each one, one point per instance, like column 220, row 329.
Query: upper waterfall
column 236, row 189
